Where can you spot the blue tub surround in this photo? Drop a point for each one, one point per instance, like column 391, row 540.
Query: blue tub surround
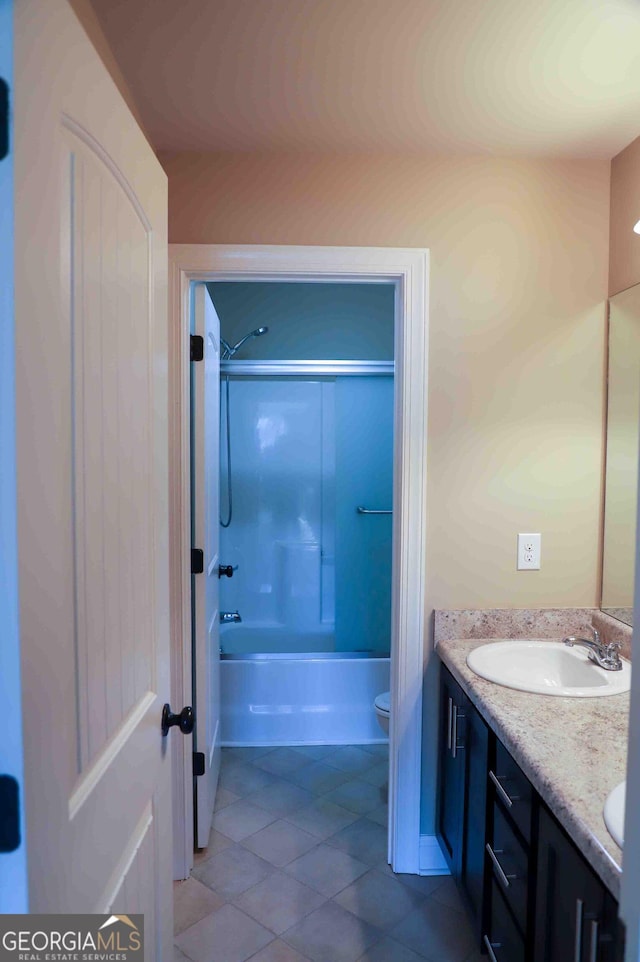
column 306, row 452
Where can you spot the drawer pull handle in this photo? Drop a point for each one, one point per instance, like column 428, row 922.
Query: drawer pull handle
column 502, row 875
column 449, row 724
column 577, row 942
column 593, row 948
column 506, row 798
column 490, row 947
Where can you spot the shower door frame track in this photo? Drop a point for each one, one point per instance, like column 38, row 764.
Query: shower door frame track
column 408, row 270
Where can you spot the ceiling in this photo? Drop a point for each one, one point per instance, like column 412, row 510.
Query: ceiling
column 509, row 77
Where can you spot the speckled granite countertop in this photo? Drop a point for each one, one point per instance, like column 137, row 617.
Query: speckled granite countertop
column 573, row 750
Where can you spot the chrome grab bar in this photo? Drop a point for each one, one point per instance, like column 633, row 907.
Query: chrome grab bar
column 362, row 510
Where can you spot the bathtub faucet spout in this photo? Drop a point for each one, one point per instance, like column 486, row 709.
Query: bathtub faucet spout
column 228, row 616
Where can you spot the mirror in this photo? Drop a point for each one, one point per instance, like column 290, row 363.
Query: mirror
column 623, row 431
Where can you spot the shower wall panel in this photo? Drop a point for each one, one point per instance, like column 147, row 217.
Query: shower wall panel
column 279, row 492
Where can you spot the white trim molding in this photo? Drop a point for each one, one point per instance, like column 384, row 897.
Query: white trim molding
column 408, row 270
column 629, row 902
column 432, row 861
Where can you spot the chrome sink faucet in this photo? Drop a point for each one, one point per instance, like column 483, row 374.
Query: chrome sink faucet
column 606, row 656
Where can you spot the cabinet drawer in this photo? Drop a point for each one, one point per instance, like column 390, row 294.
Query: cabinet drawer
column 503, row 942
column 513, row 789
column 509, row 865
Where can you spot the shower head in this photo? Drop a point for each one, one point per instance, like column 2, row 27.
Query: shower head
column 230, row 351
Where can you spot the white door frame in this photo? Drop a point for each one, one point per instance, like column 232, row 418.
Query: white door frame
column 629, row 908
column 408, row 269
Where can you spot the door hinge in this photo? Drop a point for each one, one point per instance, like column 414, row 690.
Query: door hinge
column 197, row 347
column 197, row 561
column 9, row 814
column 198, row 764
column 4, row 119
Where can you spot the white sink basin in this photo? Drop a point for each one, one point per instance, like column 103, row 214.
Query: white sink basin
column 614, row 812
column 547, row 668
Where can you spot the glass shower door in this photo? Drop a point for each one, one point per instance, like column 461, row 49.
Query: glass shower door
column 363, row 542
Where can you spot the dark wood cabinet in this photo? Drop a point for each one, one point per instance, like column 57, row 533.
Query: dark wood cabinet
column 509, row 862
column 452, row 764
column 576, row 916
column 502, row 941
column 532, row 895
column 510, row 854
column 472, row 872
column 461, row 815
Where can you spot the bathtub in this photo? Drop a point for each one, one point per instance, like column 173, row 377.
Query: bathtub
column 323, row 698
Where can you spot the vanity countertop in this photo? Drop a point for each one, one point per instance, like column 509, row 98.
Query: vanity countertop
column 573, row 750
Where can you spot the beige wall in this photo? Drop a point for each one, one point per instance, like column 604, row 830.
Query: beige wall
column 518, row 283
column 624, row 263
column 519, row 263
column 87, row 17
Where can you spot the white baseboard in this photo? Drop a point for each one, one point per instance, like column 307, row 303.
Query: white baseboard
column 432, row 861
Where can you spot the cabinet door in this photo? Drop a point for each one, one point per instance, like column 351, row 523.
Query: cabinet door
column 451, row 794
column 575, row 915
column 475, row 815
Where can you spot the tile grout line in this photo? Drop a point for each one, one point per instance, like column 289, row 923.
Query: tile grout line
column 357, row 819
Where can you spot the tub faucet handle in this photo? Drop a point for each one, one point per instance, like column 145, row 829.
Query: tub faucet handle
column 229, row 617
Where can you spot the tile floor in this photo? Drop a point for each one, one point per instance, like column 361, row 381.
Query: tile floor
column 296, row 869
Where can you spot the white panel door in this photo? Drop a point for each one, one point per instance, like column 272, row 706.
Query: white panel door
column 206, row 508
column 91, row 369
column 13, row 874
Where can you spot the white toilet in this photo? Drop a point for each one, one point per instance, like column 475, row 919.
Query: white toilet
column 383, row 710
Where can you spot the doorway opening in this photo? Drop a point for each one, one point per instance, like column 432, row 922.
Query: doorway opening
column 406, row 273
column 306, row 493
